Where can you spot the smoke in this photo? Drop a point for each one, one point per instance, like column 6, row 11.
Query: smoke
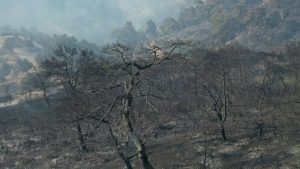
column 86, row 19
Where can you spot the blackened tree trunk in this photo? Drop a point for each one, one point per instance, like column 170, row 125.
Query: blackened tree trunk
column 141, row 151
column 125, row 159
column 132, row 135
column 81, row 140
column 224, row 117
column 223, row 133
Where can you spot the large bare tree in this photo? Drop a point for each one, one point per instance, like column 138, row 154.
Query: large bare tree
column 130, row 82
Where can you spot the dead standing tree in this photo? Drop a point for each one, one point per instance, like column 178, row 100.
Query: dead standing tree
column 214, row 75
column 273, row 77
column 219, row 103
column 67, row 70
column 130, row 79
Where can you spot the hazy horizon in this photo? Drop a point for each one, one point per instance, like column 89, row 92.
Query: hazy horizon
column 92, row 20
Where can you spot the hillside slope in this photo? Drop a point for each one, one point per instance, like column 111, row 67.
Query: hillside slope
column 21, row 51
column 260, row 25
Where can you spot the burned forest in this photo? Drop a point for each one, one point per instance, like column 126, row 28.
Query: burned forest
column 187, row 84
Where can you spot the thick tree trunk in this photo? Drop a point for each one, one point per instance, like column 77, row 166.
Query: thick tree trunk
column 125, row 159
column 132, row 136
column 141, row 150
column 81, row 140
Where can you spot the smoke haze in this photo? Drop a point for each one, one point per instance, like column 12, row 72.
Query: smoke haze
column 86, row 19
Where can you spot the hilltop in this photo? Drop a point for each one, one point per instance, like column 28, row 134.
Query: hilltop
column 261, row 25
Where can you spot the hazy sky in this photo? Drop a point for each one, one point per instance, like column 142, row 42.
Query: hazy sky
column 89, row 19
